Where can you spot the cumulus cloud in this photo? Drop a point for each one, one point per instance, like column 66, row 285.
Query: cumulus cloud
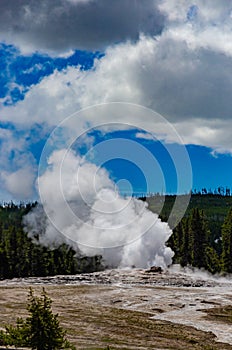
column 209, row 10
column 17, row 163
column 184, row 72
column 206, row 24
column 63, row 25
column 20, row 184
column 185, row 85
column 83, row 206
column 59, row 25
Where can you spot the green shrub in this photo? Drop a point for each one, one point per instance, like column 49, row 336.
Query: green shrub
column 40, row 330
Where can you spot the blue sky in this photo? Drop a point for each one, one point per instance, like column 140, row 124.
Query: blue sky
column 19, row 72
column 171, row 58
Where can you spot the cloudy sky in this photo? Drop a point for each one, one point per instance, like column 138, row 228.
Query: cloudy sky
column 171, row 57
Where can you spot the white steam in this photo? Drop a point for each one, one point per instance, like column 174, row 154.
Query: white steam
column 83, row 206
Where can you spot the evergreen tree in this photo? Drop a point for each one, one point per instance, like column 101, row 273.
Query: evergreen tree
column 186, row 257
column 21, row 256
column 227, row 243
column 176, row 241
column 41, row 329
column 198, row 236
column 212, row 260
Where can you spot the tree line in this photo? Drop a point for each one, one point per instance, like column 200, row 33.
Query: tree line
column 21, row 256
column 194, row 244
column 219, row 191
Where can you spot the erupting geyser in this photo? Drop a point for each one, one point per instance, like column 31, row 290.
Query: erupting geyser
column 84, row 207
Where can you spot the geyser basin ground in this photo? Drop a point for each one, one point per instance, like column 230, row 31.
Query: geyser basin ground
column 131, row 309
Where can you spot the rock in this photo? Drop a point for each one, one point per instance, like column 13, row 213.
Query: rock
column 210, row 302
column 155, row 269
column 158, row 310
column 115, row 301
column 177, row 305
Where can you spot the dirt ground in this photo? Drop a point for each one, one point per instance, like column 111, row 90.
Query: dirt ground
column 122, row 315
column 131, row 309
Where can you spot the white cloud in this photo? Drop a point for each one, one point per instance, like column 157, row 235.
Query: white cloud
column 210, row 27
column 215, row 134
column 187, row 86
column 145, row 136
column 20, row 184
column 210, row 11
column 18, row 166
column 184, row 73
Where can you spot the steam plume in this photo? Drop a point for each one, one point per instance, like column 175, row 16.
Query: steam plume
column 83, row 206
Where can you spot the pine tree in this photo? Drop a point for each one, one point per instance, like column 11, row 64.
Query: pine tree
column 176, row 241
column 227, row 243
column 198, row 238
column 186, row 257
column 41, row 329
column 212, row 260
